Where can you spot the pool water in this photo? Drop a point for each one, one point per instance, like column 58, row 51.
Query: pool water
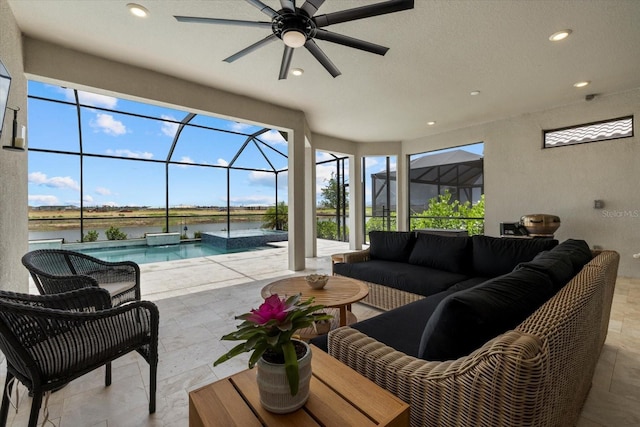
column 147, row 254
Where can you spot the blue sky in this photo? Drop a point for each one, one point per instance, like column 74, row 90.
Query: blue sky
column 54, row 179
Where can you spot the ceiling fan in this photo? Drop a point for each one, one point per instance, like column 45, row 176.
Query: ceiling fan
column 300, row 26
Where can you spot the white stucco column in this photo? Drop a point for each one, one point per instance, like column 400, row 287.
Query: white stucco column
column 356, row 209
column 311, row 241
column 402, row 192
column 297, row 203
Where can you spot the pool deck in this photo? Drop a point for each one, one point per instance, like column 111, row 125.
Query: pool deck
column 198, row 299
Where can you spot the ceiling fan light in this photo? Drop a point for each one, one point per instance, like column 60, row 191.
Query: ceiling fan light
column 294, row 38
column 137, row 10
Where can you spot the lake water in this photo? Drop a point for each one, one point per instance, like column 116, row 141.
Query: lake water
column 73, row 235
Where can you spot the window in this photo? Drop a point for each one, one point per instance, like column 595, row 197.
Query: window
column 590, row 132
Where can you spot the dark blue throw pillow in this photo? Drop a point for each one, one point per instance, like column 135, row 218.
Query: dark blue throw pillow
column 391, row 245
column 555, row 264
column 578, row 252
column 495, row 256
column 467, row 319
column 442, row 252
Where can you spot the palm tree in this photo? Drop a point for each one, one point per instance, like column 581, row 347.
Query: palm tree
column 276, row 217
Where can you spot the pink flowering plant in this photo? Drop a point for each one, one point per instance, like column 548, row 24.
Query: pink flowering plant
column 270, row 329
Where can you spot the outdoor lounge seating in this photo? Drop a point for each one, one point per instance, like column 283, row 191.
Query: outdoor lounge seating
column 58, row 270
column 519, row 349
column 49, row 340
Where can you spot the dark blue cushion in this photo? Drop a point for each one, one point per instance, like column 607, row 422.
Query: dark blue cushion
column 442, row 252
column 391, row 245
column 465, row 320
column 399, row 275
column 400, row 328
column 557, row 265
column 578, row 252
column 494, row 256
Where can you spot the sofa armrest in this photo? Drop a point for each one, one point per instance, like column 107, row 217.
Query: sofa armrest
column 474, row 390
column 357, row 256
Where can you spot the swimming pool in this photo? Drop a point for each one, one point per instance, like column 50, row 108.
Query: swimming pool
column 147, row 254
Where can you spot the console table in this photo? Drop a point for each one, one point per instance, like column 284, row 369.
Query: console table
column 339, row 396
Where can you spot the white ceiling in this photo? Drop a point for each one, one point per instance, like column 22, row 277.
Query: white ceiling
column 440, row 51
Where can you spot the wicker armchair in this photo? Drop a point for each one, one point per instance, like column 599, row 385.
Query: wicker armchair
column 49, row 340
column 57, row 270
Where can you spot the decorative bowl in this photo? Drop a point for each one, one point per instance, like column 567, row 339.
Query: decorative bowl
column 317, row 281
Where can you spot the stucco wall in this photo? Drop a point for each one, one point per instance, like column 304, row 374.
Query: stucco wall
column 522, row 178
column 13, row 165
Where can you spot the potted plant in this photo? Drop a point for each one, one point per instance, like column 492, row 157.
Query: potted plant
column 268, row 331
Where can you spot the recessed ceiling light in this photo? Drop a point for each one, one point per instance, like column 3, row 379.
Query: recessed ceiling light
column 137, row 10
column 581, row 84
column 431, row 123
column 474, row 92
column 297, row 72
column 560, row 35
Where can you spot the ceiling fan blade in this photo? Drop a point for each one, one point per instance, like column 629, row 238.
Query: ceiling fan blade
column 263, row 8
column 286, row 62
column 361, row 12
column 251, row 48
column 311, row 6
column 290, row 5
column 192, row 19
column 350, row 41
column 322, row 58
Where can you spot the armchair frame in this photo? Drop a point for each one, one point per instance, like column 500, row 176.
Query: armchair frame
column 59, row 270
column 50, row 340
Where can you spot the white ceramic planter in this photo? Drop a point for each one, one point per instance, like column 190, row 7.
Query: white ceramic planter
column 274, row 387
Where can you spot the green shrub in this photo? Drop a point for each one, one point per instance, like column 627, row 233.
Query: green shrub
column 380, row 224
column 448, row 214
column 197, row 235
column 114, row 233
column 91, row 236
column 328, row 229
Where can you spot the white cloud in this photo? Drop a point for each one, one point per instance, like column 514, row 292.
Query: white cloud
column 103, row 191
column 130, row 154
column 267, row 179
column 222, row 162
column 87, row 199
column 107, row 124
column 96, row 100
column 169, row 128
column 323, row 175
column 321, row 156
column 39, row 178
column 370, row 162
column 273, row 136
column 239, row 127
column 185, row 159
column 43, row 200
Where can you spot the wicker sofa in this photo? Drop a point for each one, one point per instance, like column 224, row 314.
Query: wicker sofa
column 537, row 373
column 403, row 267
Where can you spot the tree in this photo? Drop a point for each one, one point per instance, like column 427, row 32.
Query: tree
column 330, row 194
column 276, row 217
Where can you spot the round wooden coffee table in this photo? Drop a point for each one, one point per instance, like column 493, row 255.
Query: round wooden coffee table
column 339, row 292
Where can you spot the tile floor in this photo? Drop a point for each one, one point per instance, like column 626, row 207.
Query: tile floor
column 198, row 299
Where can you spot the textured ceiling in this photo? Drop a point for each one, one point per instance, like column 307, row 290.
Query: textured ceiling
column 440, row 51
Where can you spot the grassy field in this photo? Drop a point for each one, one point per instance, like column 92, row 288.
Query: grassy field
column 49, row 220
column 64, row 219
